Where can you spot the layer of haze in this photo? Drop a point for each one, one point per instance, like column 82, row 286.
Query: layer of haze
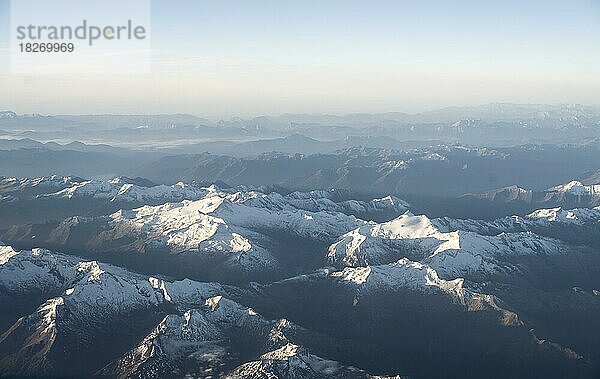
column 243, row 58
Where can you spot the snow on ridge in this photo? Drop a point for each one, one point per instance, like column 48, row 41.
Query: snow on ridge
column 372, row 240
column 401, row 274
column 178, row 191
column 50, row 181
column 92, row 270
column 201, row 333
column 294, row 361
column 408, row 226
column 84, row 281
column 122, row 189
column 221, row 222
column 121, row 185
column 186, row 293
column 315, row 201
column 572, row 216
column 101, row 293
column 390, row 200
column 482, row 248
column 94, row 291
column 213, row 302
column 43, row 323
column 37, row 269
column 175, row 332
column 283, row 353
column 224, row 310
column 210, row 219
column 91, row 291
column 184, row 226
column 577, row 188
column 6, row 252
column 125, row 189
column 175, row 338
column 357, row 275
column 418, row 276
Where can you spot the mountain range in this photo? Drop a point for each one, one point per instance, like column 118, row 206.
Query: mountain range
column 240, row 283
column 456, row 243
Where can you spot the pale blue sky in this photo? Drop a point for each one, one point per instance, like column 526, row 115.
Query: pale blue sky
column 225, row 58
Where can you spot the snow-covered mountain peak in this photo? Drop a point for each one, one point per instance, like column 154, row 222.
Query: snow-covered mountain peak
column 121, row 189
column 184, row 209
column 401, row 274
column 316, row 201
column 91, row 269
column 294, row 362
column 430, row 276
column 376, row 240
column 133, row 193
column 419, row 277
column 550, row 214
column 357, row 275
column 98, row 297
column 457, row 248
column 177, row 337
column 576, row 188
column 82, row 282
column 52, row 272
column 406, row 226
column 224, row 310
column 6, row 252
column 90, row 188
column 223, row 223
column 277, row 332
column 192, row 326
column 184, row 226
column 285, row 352
column 42, row 325
column 118, row 180
column 186, row 293
column 213, row 302
column 161, row 286
column 572, row 216
column 390, row 201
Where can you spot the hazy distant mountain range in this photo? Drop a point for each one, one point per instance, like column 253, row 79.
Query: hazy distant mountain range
column 491, row 125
